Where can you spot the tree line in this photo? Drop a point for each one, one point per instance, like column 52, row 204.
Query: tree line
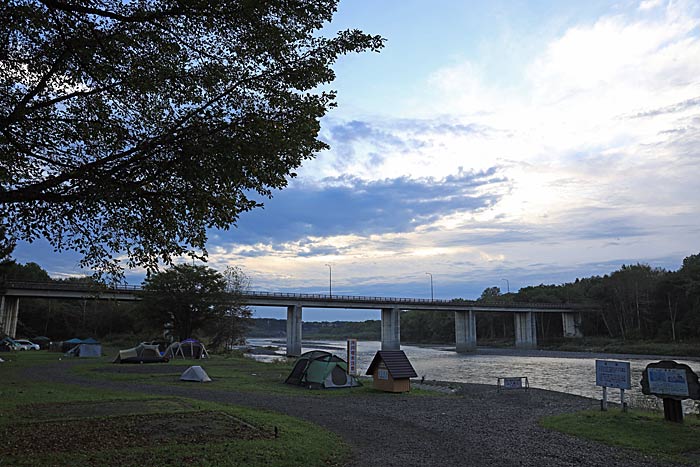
column 177, row 303
column 634, row 302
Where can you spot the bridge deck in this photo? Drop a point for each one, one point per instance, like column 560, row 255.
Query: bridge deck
column 281, row 299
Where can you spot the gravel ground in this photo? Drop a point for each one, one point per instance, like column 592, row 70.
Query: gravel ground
column 478, row 426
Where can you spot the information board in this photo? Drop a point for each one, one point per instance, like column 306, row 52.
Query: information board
column 612, row 374
column 512, row 383
column 352, row 356
column 669, row 381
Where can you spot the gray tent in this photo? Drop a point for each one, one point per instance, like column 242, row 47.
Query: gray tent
column 195, row 373
column 85, row 350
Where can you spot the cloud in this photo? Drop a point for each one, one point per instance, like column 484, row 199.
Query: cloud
column 347, row 205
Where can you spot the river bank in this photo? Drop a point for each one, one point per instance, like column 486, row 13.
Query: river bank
column 566, row 372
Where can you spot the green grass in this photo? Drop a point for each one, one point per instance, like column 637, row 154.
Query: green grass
column 52, row 424
column 645, row 432
column 231, row 372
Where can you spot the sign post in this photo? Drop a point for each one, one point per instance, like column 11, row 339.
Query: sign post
column 672, row 382
column 612, row 374
column 352, row 356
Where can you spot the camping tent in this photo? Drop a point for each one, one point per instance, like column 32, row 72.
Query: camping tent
column 319, row 369
column 189, row 348
column 142, row 353
column 195, row 373
column 86, row 348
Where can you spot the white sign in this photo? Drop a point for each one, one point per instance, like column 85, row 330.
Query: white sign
column 612, row 374
column 383, row 374
column 352, row 356
column 512, row 383
column 667, row 381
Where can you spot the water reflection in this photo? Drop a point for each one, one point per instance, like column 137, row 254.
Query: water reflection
column 569, row 372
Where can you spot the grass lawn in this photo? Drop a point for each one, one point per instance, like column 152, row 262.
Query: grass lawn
column 645, row 432
column 62, row 424
column 232, row 372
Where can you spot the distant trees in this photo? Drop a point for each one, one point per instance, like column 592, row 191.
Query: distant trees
column 64, row 319
column 634, row 302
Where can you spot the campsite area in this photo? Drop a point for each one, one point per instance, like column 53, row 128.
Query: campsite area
column 70, row 411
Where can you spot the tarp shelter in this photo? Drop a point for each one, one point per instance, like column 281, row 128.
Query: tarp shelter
column 142, row 353
column 319, row 369
column 43, row 341
column 86, row 348
column 195, row 373
column 7, row 344
column 189, row 348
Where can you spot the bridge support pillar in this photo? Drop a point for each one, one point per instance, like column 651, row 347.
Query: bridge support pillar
column 465, row 331
column 525, row 330
column 391, row 329
column 9, row 312
column 571, row 322
column 294, row 330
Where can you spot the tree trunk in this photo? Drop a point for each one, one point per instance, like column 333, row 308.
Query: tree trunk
column 672, row 315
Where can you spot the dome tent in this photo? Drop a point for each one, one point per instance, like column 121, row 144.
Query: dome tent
column 84, row 348
column 318, row 369
column 189, row 348
column 142, row 353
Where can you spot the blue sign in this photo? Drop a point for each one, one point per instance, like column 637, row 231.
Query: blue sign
column 612, row 374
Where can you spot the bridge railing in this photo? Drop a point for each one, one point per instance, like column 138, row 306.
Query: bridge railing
column 122, row 288
column 72, row 286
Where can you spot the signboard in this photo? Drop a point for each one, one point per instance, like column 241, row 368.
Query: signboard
column 516, row 382
column 383, row 373
column 512, row 383
column 612, row 374
column 352, row 356
column 668, row 381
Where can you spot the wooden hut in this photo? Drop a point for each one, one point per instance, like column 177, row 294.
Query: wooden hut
column 391, row 371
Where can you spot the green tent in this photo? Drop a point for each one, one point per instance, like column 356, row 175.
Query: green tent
column 318, row 369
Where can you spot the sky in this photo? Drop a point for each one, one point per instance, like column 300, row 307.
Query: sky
column 501, row 143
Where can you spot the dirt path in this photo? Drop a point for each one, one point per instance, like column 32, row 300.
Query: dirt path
column 477, row 427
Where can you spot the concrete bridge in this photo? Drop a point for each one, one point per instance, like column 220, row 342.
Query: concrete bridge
column 391, row 308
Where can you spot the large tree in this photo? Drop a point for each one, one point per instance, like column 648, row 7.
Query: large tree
column 184, row 298
column 128, row 128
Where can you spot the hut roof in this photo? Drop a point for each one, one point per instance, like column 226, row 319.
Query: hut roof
column 396, row 362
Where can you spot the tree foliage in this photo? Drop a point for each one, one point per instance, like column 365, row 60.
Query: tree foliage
column 184, row 298
column 128, row 128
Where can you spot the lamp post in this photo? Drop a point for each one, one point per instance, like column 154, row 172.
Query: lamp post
column 330, row 280
column 431, row 286
column 507, row 284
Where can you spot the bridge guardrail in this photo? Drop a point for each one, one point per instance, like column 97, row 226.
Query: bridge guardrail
column 123, row 288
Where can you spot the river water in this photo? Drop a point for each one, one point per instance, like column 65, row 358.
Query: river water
column 569, row 372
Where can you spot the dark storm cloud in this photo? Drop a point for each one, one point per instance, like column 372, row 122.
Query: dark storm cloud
column 348, row 205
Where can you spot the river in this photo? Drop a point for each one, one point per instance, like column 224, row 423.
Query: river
column 569, row 372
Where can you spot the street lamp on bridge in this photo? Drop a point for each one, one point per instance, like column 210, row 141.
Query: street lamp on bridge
column 431, row 286
column 330, row 280
column 507, row 284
